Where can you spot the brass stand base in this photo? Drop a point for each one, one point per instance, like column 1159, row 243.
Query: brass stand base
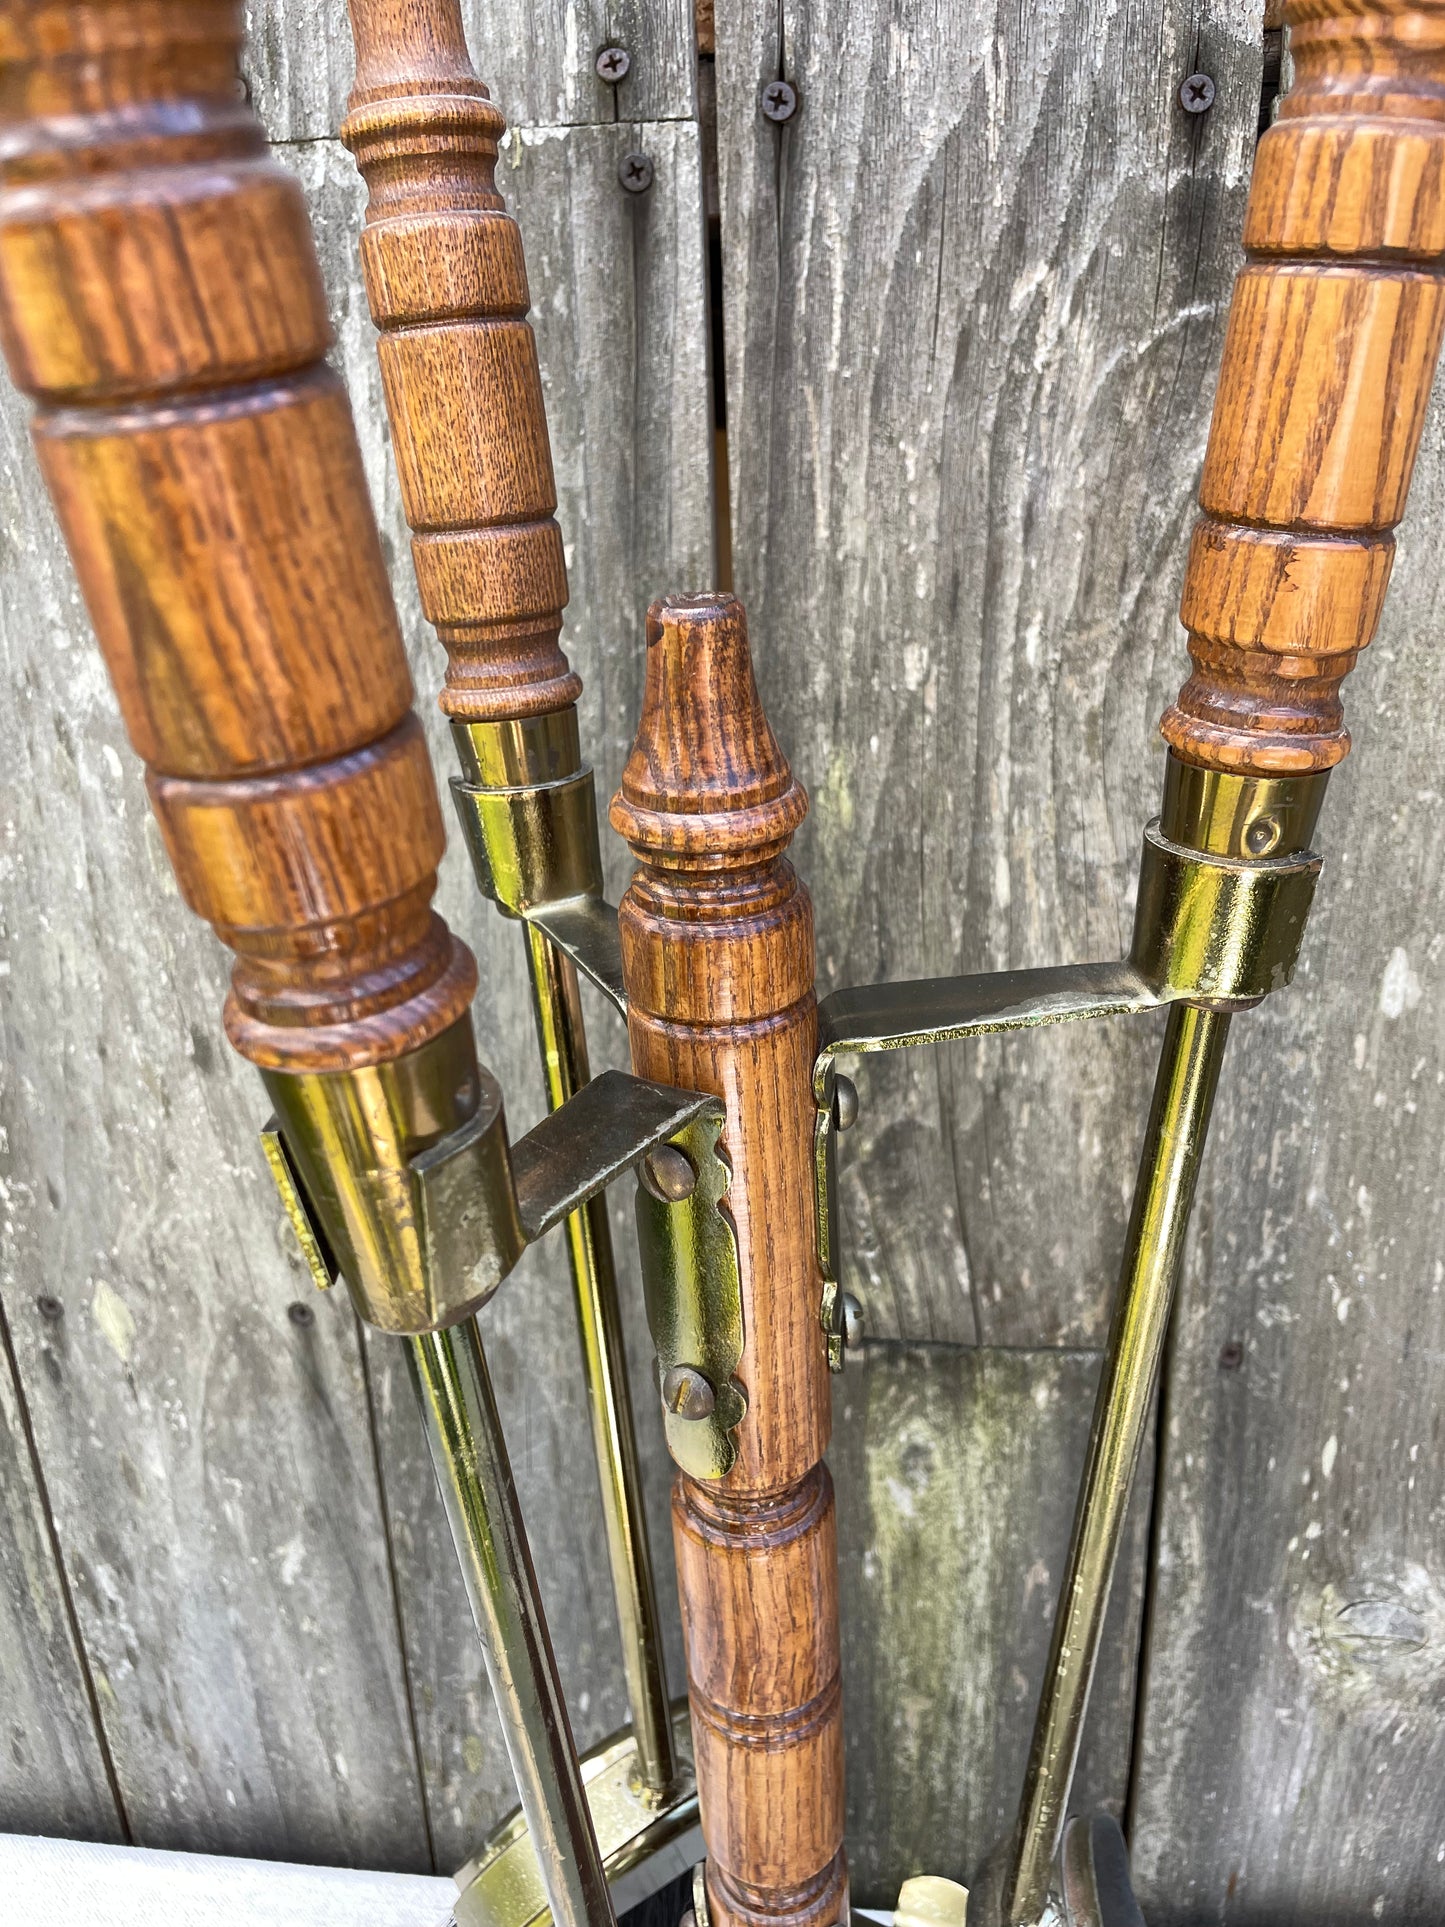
column 644, row 1844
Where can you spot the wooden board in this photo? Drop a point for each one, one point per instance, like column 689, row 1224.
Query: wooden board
column 973, row 297
column 618, row 294
column 953, row 1523
column 539, row 61
column 56, row 1777
column 1293, row 1736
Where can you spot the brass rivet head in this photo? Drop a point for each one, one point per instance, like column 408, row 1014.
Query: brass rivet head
column 845, row 1103
column 1261, row 836
column 687, row 1394
column 668, row 1174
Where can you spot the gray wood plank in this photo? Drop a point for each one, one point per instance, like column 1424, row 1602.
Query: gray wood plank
column 209, row 1461
column 538, row 61
column 618, row 287
column 973, row 300
column 52, row 1763
column 1293, row 1741
column 956, row 1472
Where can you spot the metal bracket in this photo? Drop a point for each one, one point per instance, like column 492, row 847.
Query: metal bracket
column 450, row 1221
column 309, row 1230
column 1213, row 925
column 693, row 1286
column 536, row 854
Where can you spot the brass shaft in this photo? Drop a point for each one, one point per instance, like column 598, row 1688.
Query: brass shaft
column 464, row 1436
column 1163, row 1198
column 563, row 1044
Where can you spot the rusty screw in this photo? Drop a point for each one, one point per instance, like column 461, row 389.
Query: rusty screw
column 1196, row 96
column 613, row 65
column 635, row 173
column 687, row 1394
column 780, row 101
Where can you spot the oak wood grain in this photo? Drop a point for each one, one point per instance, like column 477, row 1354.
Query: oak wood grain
column 161, row 302
column 447, row 285
column 1333, row 339
column 717, row 940
column 203, row 1549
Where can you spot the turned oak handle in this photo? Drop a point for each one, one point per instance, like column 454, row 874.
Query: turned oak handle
column 1331, row 348
column 160, row 300
column 447, row 286
column 718, row 953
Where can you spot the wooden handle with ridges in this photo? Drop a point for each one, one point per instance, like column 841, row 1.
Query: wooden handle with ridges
column 161, row 302
column 448, row 290
column 1329, row 357
column 717, row 945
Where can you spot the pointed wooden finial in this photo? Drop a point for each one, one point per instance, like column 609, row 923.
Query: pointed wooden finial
column 706, row 785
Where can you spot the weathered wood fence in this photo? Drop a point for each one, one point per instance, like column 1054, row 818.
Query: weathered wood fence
column 972, row 296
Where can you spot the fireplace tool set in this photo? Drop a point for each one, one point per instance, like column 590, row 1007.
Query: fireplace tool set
column 160, row 302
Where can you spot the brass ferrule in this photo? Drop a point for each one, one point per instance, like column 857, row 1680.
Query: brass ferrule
column 528, row 811
column 520, row 752
column 1225, row 885
column 1227, row 813
column 421, row 1241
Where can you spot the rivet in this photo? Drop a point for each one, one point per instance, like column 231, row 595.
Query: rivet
column 668, row 1174
column 50, row 1308
column 687, row 1394
column 635, row 172
column 779, row 100
column 853, row 1317
column 613, row 65
column 1196, row 95
column 845, row 1103
column 301, row 1314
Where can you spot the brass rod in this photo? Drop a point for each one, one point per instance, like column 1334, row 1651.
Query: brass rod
column 469, row 1456
column 1163, row 1198
column 563, row 1042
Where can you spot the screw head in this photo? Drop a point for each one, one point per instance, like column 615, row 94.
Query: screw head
column 853, row 1319
column 779, row 101
column 1196, row 95
column 1231, row 1356
column 614, row 64
column 668, row 1174
column 845, row 1103
column 50, row 1309
column 1262, row 835
column 687, row 1394
column 301, row 1314
column 635, row 172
